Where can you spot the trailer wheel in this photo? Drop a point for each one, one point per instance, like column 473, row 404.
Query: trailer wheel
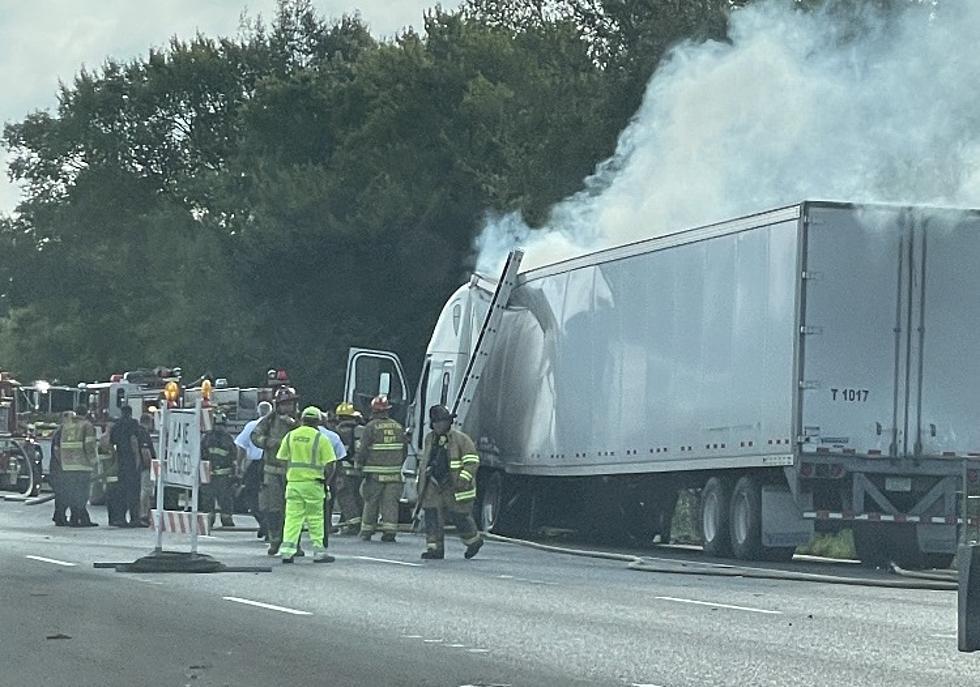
column 715, row 506
column 491, row 501
column 746, row 520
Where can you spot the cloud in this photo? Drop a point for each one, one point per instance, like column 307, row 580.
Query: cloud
column 46, row 40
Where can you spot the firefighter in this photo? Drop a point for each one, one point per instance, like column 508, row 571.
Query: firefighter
column 268, row 435
column 124, row 441
column 250, row 467
column 309, row 459
column 218, row 447
column 380, row 457
column 77, row 451
column 447, row 484
column 348, row 478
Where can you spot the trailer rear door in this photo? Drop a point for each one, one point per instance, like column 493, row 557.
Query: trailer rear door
column 853, row 310
column 945, row 408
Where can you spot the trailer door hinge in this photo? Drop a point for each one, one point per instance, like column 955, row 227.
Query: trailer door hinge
column 809, row 275
column 811, row 329
column 810, row 384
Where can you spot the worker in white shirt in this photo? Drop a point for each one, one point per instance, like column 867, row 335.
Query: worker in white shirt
column 250, row 467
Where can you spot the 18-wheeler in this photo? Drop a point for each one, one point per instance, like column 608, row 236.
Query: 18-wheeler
column 812, row 366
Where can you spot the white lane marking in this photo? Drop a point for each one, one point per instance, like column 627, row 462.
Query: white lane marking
column 456, row 646
column 412, row 636
column 718, row 605
column 388, row 560
column 506, row 577
column 432, row 641
column 207, row 536
column 644, row 684
column 944, row 636
column 52, row 560
column 142, row 579
column 270, row 607
column 479, row 651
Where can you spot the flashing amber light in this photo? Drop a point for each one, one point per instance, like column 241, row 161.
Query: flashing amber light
column 282, row 376
column 171, row 392
column 206, row 389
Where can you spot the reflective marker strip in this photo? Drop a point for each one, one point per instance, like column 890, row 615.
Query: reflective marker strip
column 886, row 517
column 178, row 522
column 42, row 559
column 717, row 605
column 269, row 607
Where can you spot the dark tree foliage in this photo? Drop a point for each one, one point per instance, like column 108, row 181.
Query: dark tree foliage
column 233, row 204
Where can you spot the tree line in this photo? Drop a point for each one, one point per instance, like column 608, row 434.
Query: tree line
column 268, row 199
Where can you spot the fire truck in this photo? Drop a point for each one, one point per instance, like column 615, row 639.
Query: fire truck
column 20, row 459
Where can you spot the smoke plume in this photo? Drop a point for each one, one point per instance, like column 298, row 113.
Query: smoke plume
column 798, row 105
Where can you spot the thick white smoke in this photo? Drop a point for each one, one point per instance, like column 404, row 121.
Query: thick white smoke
column 795, row 107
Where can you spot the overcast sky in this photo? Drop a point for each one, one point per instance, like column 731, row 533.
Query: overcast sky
column 42, row 41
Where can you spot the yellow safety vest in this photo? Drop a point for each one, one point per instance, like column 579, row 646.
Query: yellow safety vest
column 306, row 453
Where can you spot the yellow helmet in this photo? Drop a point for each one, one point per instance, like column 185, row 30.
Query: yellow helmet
column 345, row 409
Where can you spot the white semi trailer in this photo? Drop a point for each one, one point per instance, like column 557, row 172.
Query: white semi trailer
column 811, row 366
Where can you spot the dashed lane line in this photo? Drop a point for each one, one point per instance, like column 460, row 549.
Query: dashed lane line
column 268, row 607
column 388, row 560
column 713, row 604
column 53, row 561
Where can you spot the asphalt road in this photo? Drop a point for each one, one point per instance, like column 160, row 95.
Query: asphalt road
column 379, row 616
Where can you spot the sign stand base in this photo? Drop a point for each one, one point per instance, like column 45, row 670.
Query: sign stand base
column 179, row 562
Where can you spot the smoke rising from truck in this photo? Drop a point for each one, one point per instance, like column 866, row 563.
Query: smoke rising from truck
column 797, row 105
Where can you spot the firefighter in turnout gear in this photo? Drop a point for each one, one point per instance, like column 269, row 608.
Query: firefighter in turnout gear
column 447, row 484
column 309, row 458
column 348, row 479
column 218, row 447
column 268, row 436
column 380, row 457
column 77, row 450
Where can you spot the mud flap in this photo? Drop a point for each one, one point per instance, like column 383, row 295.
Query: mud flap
column 936, row 538
column 968, row 610
column 783, row 524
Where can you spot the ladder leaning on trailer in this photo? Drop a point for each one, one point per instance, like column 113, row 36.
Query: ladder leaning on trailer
column 487, row 337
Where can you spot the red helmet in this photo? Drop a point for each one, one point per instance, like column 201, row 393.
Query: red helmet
column 380, row 404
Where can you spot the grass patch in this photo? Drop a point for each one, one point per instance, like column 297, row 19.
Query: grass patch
column 840, row 545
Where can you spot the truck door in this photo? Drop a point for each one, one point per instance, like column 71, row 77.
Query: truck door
column 945, row 404
column 853, row 333
column 370, row 373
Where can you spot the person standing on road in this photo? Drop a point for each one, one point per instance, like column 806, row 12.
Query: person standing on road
column 218, row 447
column 250, row 467
column 309, row 458
column 447, row 484
column 380, row 458
column 340, row 453
column 124, row 440
column 60, row 517
column 77, row 453
column 268, row 435
column 147, row 455
column 348, row 478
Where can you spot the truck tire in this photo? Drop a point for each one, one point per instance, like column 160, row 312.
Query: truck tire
column 491, row 502
column 746, row 520
column 871, row 545
column 715, row 511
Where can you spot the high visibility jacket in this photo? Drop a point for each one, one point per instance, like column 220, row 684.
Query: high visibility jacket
column 268, row 436
column 382, row 449
column 463, row 461
column 218, row 447
column 306, row 453
column 77, row 445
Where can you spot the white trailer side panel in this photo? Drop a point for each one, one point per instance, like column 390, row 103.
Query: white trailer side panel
column 676, row 357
